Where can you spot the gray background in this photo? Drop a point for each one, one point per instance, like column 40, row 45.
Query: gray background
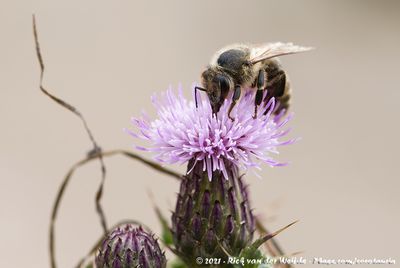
column 108, row 57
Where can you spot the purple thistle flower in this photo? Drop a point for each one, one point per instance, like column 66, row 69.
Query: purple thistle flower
column 183, row 132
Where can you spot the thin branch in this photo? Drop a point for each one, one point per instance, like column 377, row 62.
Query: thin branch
column 71, row 108
column 82, row 162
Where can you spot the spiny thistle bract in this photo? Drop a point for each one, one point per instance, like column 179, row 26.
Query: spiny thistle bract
column 130, row 247
column 211, row 218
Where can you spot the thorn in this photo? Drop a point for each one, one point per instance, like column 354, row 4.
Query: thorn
column 267, row 237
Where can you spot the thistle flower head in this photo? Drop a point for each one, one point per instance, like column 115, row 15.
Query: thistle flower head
column 183, row 132
column 129, row 247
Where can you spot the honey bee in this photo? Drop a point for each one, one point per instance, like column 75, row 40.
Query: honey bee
column 240, row 66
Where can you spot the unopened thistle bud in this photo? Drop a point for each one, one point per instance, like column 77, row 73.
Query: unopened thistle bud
column 211, row 218
column 130, row 247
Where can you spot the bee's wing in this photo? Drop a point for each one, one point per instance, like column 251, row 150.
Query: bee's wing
column 271, row 50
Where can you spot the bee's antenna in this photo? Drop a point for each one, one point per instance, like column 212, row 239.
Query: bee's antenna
column 195, row 93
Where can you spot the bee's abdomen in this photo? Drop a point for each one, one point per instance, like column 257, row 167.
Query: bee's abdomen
column 277, row 85
column 284, row 101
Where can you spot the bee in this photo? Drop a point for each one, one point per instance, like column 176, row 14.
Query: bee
column 240, row 66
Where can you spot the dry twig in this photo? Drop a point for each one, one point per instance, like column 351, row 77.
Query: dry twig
column 95, row 153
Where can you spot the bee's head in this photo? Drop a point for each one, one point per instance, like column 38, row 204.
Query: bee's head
column 217, row 87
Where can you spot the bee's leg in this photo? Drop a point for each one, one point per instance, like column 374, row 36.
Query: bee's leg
column 260, row 91
column 235, row 98
column 195, row 93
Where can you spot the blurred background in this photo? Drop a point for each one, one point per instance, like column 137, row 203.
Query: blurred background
column 108, row 57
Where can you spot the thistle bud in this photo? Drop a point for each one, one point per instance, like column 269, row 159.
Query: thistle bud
column 129, row 247
column 212, row 218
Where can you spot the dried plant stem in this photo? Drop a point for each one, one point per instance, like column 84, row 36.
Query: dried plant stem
column 68, row 177
column 95, row 153
column 71, row 108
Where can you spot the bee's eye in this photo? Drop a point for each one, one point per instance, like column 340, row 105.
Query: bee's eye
column 223, row 83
